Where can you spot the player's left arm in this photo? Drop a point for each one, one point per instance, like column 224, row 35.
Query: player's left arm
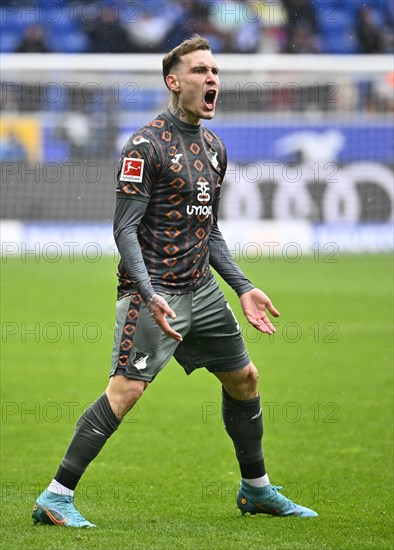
column 254, row 302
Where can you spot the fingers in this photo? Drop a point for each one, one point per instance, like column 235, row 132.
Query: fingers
column 167, row 310
column 165, row 327
column 270, row 329
column 159, row 310
column 272, row 309
column 265, row 326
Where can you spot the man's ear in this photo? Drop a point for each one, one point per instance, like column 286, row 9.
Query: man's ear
column 172, row 82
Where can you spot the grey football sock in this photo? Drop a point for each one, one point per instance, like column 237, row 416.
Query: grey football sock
column 93, row 429
column 243, row 421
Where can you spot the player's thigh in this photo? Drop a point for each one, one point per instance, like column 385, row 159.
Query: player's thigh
column 214, row 340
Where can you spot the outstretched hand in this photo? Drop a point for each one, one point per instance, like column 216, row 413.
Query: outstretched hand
column 159, row 310
column 254, row 305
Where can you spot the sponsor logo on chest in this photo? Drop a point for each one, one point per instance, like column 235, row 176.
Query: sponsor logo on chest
column 203, row 197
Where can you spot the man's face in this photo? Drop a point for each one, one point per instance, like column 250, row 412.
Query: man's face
column 196, row 81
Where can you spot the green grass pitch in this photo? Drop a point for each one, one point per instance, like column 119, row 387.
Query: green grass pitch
column 168, row 478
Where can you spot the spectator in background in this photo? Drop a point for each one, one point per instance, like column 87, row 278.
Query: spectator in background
column 370, row 36
column 12, row 149
column 303, row 40
column 249, row 31
column 302, row 28
column 191, row 18
column 231, row 27
column 106, row 34
column 381, row 98
column 33, row 41
column 273, row 19
column 156, row 21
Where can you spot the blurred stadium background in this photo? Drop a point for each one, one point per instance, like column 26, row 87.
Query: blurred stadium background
column 306, row 112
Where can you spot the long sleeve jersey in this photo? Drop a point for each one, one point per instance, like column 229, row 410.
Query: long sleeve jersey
column 165, row 226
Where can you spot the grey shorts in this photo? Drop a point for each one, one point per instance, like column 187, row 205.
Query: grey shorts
column 211, row 335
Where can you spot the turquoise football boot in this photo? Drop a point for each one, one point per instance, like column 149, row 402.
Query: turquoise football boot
column 267, row 500
column 54, row 509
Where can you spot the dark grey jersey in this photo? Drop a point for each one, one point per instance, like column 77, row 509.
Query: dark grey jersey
column 176, row 169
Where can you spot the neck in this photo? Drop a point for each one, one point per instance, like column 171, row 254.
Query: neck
column 178, row 112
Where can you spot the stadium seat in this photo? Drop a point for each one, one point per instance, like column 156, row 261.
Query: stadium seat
column 67, row 42
column 345, row 43
column 338, row 33
column 9, row 41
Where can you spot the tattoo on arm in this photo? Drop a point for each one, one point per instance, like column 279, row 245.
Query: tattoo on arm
column 152, row 302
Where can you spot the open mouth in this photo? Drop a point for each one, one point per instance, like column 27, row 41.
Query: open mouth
column 209, row 99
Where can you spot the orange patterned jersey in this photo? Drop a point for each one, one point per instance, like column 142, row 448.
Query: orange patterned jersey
column 177, row 169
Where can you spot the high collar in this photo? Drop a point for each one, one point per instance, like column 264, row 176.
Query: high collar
column 185, row 127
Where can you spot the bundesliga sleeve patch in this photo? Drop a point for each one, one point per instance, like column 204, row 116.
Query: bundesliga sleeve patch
column 132, row 170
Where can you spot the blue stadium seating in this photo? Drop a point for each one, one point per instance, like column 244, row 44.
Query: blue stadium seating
column 9, row 40
column 338, row 30
column 337, row 21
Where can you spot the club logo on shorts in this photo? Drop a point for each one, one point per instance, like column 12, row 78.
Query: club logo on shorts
column 139, row 361
column 132, row 170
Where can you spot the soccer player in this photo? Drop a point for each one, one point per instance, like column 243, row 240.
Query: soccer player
column 169, row 304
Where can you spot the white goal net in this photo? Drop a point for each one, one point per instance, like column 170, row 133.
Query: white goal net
column 309, row 138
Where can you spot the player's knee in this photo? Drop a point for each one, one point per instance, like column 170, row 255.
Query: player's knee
column 133, row 391
column 251, row 376
column 124, row 393
column 242, row 384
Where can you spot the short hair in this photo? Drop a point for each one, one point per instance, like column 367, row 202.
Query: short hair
column 172, row 59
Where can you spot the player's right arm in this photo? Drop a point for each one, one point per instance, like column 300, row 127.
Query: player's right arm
column 128, row 216
column 132, row 198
